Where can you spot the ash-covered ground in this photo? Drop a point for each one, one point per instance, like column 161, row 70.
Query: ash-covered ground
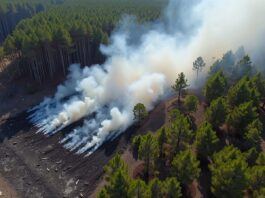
column 37, row 166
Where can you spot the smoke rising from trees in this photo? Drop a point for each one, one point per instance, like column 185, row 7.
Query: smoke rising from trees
column 142, row 65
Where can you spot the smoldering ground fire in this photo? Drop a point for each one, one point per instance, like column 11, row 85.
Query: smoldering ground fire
column 142, row 65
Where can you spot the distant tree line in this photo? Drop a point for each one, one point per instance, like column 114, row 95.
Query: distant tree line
column 13, row 11
column 71, row 33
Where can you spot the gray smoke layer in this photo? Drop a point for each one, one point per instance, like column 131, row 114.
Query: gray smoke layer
column 142, row 65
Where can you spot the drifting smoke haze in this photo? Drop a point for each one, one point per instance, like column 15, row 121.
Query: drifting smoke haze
column 142, row 65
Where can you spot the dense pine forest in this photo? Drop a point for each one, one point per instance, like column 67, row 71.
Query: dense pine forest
column 49, row 42
column 153, row 123
column 223, row 154
column 13, row 11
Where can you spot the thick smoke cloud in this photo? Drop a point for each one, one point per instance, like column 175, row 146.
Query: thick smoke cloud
column 142, row 65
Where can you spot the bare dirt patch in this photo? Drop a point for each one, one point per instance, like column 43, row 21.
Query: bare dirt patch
column 6, row 190
column 37, row 166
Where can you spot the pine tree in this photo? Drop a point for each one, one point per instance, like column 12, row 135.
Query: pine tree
column 156, row 188
column 257, row 177
column 206, row 141
column 198, row 65
column 139, row 112
column 253, row 133
column 148, row 151
column 114, row 165
column 180, row 84
column 261, row 159
column 229, row 173
column 239, row 118
column 174, row 114
column 103, row 194
column 119, row 185
column 216, row 113
column 161, row 140
column 258, row 82
column 215, row 87
column 172, row 188
column 185, row 167
column 243, row 67
column 136, row 142
column 138, row 189
column 191, row 103
column 242, row 92
column 179, row 133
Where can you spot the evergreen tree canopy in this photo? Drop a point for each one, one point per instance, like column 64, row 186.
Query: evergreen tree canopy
column 162, row 139
column 241, row 116
column 191, row 103
column 180, row 132
column 242, row 92
column 114, row 165
column 198, row 65
column 257, row 177
column 185, row 167
column 119, row 185
column 156, row 188
column 261, row 159
column 215, row 87
column 172, row 188
column 139, row 112
column 243, row 67
column 217, row 111
column 229, row 173
column 68, row 31
column 253, row 133
column 258, row 81
column 180, row 84
column 206, row 140
column 148, row 151
column 138, row 189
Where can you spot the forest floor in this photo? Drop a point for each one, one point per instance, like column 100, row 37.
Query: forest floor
column 36, row 166
column 156, row 119
column 33, row 165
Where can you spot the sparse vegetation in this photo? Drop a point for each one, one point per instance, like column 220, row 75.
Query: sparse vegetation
column 139, row 112
column 198, row 65
column 180, row 84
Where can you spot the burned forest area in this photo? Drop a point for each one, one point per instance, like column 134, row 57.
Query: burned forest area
column 132, row 98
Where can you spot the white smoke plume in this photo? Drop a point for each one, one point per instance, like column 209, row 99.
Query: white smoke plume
column 142, row 65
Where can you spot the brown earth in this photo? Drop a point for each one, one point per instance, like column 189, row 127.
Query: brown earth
column 37, row 166
column 6, row 190
column 32, row 165
column 198, row 188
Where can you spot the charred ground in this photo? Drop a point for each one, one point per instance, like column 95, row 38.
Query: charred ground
column 38, row 166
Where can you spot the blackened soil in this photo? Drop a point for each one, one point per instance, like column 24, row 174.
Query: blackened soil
column 38, row 166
